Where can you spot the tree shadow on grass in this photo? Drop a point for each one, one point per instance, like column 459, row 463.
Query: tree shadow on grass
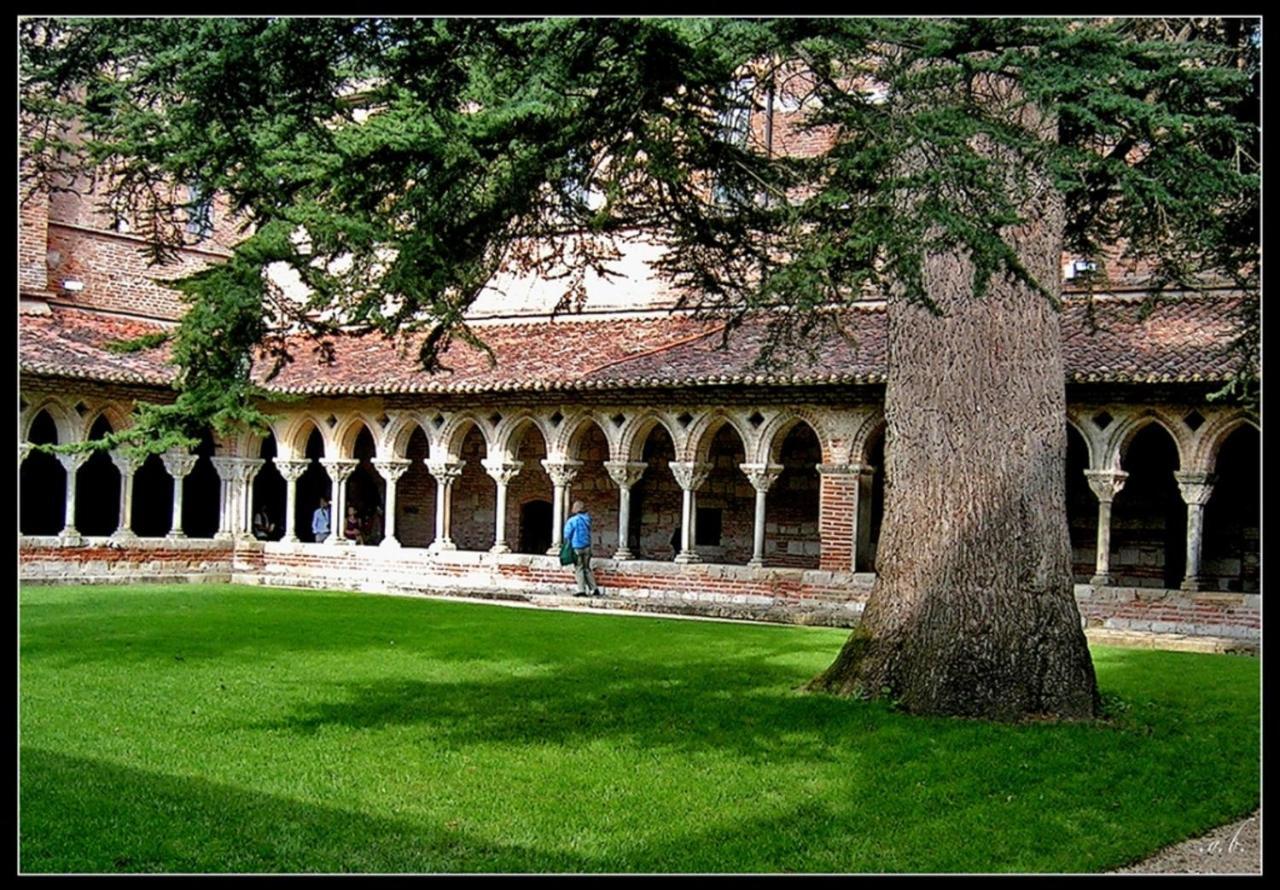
column 85, row 815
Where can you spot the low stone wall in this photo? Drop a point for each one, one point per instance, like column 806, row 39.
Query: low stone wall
column 767, row 594
column 94, row 560
column 1160, row 611
column 798, row 596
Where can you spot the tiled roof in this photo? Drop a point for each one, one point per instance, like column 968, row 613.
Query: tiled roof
column 1179, row 341
column 72, row 343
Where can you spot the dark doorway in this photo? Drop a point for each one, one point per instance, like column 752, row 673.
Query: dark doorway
column 535, row 527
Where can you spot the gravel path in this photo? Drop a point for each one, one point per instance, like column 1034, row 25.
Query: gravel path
column 1229, row 849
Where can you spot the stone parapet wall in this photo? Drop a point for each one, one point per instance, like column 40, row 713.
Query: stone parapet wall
column 769, row 594
column 1160, row 611
column 97, row 560
column 787, row 595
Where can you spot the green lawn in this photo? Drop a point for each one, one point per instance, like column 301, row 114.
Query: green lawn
column 223, row 728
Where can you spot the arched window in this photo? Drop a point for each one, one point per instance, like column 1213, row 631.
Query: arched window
column 791, row 506
column 1148, row 516
column 98, row 489
column 1232, row 519
column 42, row 483
column 416, row 496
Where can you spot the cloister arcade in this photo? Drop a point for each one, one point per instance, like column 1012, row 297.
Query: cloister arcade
column 1157, row 495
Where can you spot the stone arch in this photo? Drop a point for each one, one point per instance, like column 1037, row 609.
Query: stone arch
column 1230, row 557
column 98, row 482
column 416, row 491
column 455, row 430
column 310, row 443
column 1092, row 449
column 864, row 439
column 572, row 431
column 400, row 431
column 116, row 416
column 270, row 491
column 708, row 425
column 1148, row 515
column 725, row 521
column 366, row 490
column 65, row 421
column 42, row 479
column 1118, row 444
column 474, row 493
column 202, row 492
column 511, row 430
column 656, row 497
column 528, row 443
column 152, row 510
column 792, row 502
column 1215, row 433
column 635, row 432
column 292, row 440
column 772, row 436
column 348, row 430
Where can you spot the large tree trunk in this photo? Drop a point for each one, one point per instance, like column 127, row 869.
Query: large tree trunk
column 973, row 611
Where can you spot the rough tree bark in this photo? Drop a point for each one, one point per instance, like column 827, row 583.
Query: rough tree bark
column 973, row 611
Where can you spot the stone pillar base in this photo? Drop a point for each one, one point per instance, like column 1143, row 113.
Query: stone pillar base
column 1100, row 580
column 1194, row 584
column 623, row 553
column 125, row 536
column 755, row 563
column 70, row 539
column 438, row 546
column 686, row 556
column 499, row 548
column 175, row 536
column 389, row 543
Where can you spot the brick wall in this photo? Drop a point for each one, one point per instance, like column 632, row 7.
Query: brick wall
column 837, row 519
column 116, row 273
column 33, row 233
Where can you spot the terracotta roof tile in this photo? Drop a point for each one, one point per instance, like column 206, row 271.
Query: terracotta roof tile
column 1179, row 341
column 72, row 343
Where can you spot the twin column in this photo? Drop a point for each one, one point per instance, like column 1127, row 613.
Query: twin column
column 1195, row 486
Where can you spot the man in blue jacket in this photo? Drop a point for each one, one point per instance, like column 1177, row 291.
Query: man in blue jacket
column 577, row 531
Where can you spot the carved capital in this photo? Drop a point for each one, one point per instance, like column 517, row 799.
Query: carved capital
column 226, row 467
column 340, row 468
column 247, row 467
column 761, row 476
column 690, row 474
column 392, row 468
column 179, row 464
column 126, row 463
column 1196, row 486
column 290, row 469
column 445, row 470
column 625, row 473
column 72, row 462
column 562, row 472
column 1106, row 484
column 24, row 448
column 502, row 471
